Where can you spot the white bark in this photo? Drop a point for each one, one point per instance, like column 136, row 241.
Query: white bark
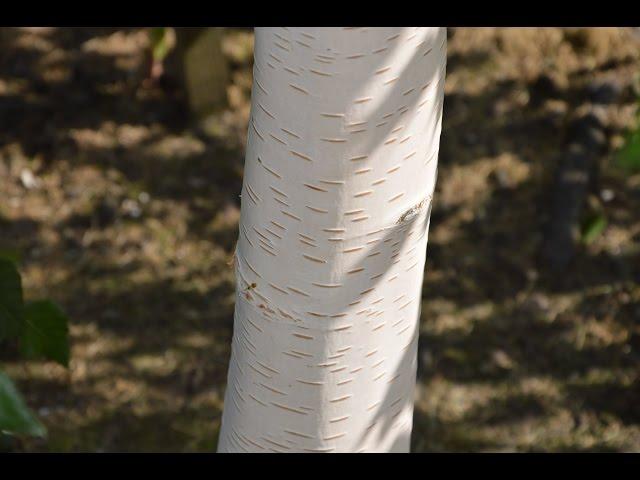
column 340, row 170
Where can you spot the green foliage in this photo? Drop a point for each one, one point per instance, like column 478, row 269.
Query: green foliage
column 159, row 43
column 41, row 329
column 15, row 417
column 11, row 304
column 628, row 157
column 10, row 254
column 45, row 333
column 593, row 227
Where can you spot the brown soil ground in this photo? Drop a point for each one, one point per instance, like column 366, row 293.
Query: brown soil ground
column 126, row 214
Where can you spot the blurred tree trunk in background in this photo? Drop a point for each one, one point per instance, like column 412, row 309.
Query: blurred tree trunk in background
column 339, row 174
column 198, row 63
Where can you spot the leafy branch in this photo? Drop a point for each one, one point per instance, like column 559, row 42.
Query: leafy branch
column 41, row 329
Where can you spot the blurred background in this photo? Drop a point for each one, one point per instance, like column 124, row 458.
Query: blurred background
column 121, row 160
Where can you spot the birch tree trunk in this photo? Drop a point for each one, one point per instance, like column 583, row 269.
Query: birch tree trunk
column 339, row 174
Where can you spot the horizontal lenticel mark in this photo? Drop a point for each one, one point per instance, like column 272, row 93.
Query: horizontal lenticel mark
column 307, row 237
column 290, row 409
column 354, row 212
column 298, row 291
column 340, row 399
column 274, row 390
column 316, row 188
column 327, row 364
column 339, row 419
column 313, row 259
column 259, row 401
column 270, row 170
column 302, row 435
column 277, row 225
column 281, row 202
column 273, row 233
column 261, row 245
column 266, row 111
column 300, row 335
column 405, row 305
column 332, row 182
column 315, row 209
column 300, row 155
column 282, row 290
column 342, row 328
column 302, row 354
column 288, row 132
column 363, row 194
column 321, row 73
column 255, row 129
column 300, row 89
column 261, row 87
column 307, row 382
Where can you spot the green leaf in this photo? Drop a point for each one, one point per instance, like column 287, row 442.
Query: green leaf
column 11, row 303
column 593, row 228
column 628, row 157
column 15, row 417
column 10, row 254
column 159, row 44
column 46, row 333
